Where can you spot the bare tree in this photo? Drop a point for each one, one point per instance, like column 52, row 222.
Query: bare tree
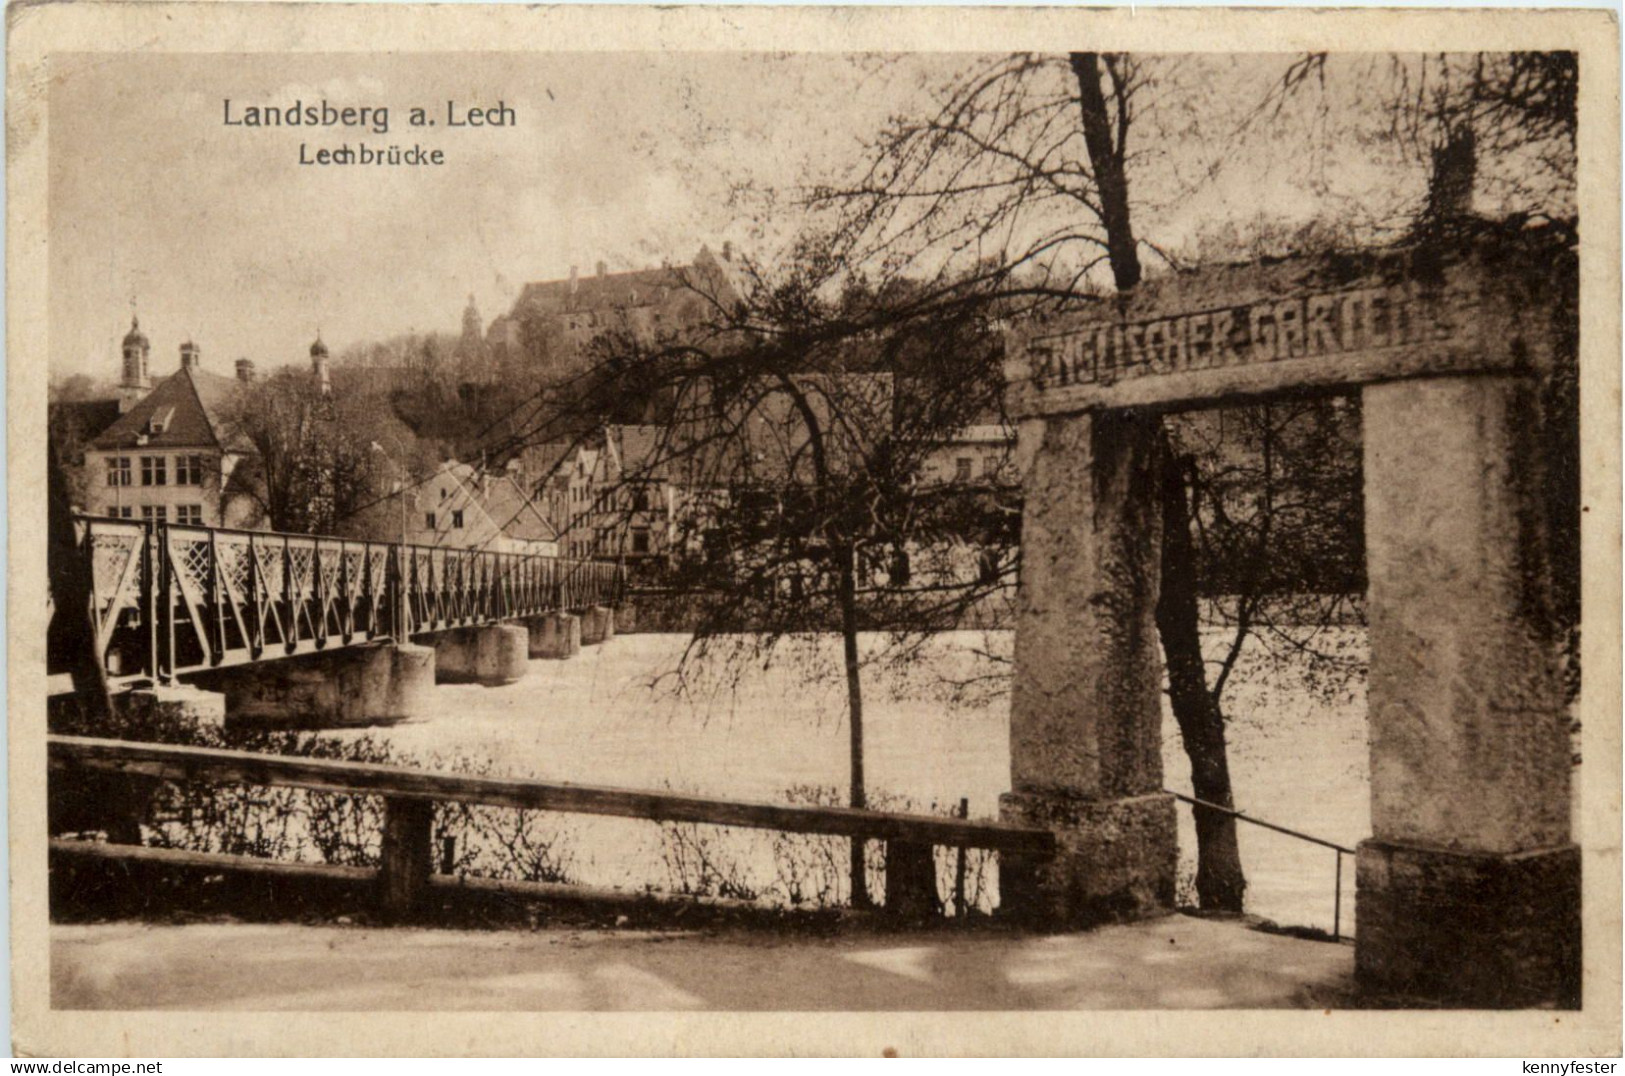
column 794, row 432
column 311, row 465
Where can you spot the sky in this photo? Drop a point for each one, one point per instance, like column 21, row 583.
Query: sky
column 218, row 234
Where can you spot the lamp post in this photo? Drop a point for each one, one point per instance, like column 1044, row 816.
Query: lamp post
column 400, row 485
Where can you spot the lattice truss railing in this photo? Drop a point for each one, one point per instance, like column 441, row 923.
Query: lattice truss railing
column 176, row 599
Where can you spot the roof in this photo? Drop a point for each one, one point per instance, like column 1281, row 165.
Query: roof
column 990, row 434
column 637, row 287
column 641, row 451
column 196, row 404
column 504, row 502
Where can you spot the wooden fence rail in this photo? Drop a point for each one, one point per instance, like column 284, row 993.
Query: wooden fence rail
column 409, row 795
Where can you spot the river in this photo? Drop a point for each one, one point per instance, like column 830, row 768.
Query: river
column 936, row 730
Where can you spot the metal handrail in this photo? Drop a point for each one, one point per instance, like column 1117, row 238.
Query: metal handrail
column 1340, row 850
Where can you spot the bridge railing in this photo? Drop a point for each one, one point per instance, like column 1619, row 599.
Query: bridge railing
column 171, row 599
column 406, row 861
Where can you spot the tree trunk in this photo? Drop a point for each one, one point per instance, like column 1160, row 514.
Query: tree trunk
column 1106, row 159
column 848, row 595
column 68, row 573
column 1220, row 883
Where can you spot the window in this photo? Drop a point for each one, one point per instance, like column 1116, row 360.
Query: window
column 457, row 518
column 118, row 470
column 152, row 513
column 640, row 500
column 640, row 540
column 154, row 471
column 428, row 520
column 962, row 469
column 188, row 471
column 121, row 512
column 189, row 514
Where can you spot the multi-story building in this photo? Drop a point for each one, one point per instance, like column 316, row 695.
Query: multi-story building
column 553, row 321
column 980, row 456
column 612, row 496
column 461, row 507
column 171, row 454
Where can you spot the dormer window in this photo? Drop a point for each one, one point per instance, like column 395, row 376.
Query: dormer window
column 159, row 422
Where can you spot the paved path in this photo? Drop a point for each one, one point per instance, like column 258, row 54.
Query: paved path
column 1176, row 962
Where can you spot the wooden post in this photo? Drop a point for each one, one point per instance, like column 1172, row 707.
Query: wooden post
column 407, row 854
column 149, row 596
column 290, row 634
column 166, row 601
column 960, row 905
column 911, row 880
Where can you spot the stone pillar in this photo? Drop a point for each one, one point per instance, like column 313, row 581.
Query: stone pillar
column 555, row 636
column 353, row 686
column 597, row 625
column 1468, row 891
column 493, row 654
column 1086, row 707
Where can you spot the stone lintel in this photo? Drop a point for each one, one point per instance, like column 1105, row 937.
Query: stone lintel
column 1230, row 333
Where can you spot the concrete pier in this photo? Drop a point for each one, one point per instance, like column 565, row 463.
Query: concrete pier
column 555, row 637
column 493, row 654
column 1468, row 889
column 1086, row 716
column 355, row 686
column 597, row 625
column 626, row 618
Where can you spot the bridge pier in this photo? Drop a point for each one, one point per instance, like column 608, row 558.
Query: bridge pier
column 492, row 654
column 555, row 636
column 353, row 686
column 626, row 618
column 597, row 625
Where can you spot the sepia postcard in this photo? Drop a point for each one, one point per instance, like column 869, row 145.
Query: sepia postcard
column 878, row 531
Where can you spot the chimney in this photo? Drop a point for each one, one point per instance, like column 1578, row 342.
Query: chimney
column 190, row 355
column 245, row 370
column 727, row 250
column 575, row 281
column 603, row 267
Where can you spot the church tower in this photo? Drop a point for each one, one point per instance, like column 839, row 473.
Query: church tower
column 472, row 365
column 191, row 355
column 318, row 365
column 135, row 382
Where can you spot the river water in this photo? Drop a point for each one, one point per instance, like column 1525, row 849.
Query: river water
column 936, row 730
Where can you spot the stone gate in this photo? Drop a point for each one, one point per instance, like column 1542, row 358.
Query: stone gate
column 1468, row 888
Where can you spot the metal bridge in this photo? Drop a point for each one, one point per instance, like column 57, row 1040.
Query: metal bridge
column 169, row 600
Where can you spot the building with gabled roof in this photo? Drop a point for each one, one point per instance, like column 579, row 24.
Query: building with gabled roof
column 170, row 456
column 462, row 507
